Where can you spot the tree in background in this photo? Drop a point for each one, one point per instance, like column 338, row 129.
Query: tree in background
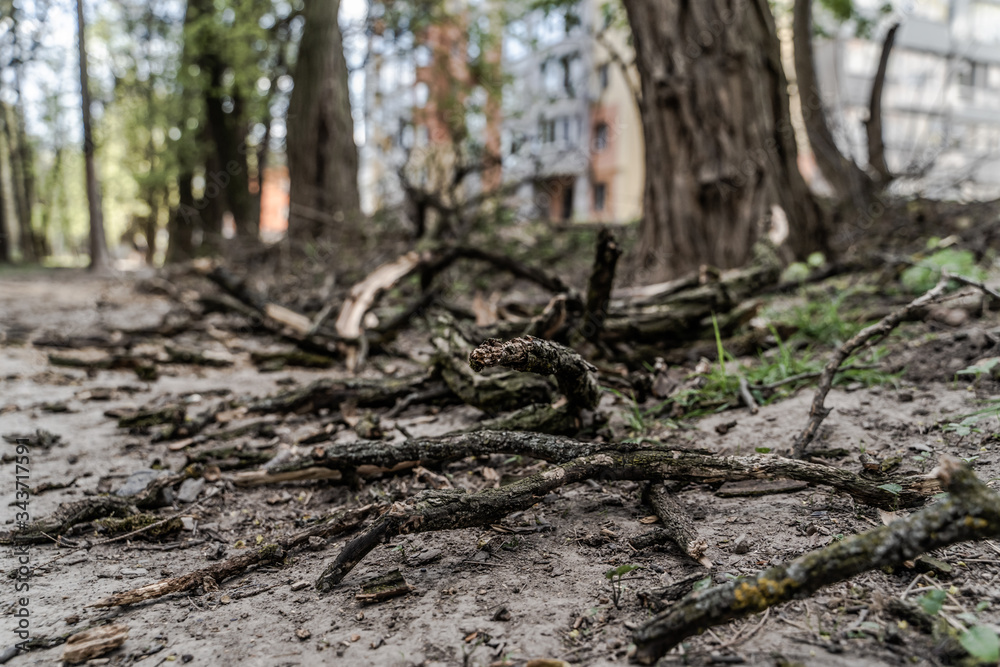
column 851, row 184
column 19, row 41
column 720, row 147
column 322, row 156
column 98, row 245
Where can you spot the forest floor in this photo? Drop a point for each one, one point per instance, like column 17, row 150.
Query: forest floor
column 532, row 586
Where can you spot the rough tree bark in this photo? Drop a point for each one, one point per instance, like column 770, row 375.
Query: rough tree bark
column 98, row 245
column 322, row 157
column 229, row 137
column 720, row 147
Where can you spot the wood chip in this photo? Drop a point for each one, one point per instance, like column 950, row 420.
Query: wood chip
column 95, row 642
column 383, row 587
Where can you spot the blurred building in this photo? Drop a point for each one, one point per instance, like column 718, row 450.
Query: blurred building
column 555, row 107
column 941, row 101
column 572, row 132
column 274, row 202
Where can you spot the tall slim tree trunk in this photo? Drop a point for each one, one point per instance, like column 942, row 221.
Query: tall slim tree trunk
column 98, row 245
column 184, row 220
column 232, row 175
column 322, row 156
column 26, row 158
column 849, row 182
column 720, row 147
column 5, row 248
column 873, row 126
column 19, row 181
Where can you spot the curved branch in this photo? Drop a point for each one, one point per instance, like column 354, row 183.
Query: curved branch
column 867, row 336
column 873, row 126
column 576, row 377
column 849, row 181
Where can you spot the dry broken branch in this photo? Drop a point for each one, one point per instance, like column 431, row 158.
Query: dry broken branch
column 970, row 512
column 867, row 336
column 455, row 509
column 337, row 522
column 677, row 524
column 576, row 377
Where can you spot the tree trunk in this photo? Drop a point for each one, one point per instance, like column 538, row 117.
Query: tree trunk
column 184, row 220
column 232, row 174
column 4, row 231
column 322, row 157
column 876, row 145
column 19, row 181
column 849, row 182
column 98, row 246
column 720, row 147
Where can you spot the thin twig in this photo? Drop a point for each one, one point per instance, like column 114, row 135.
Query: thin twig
column 747, row 397
column 867, row 336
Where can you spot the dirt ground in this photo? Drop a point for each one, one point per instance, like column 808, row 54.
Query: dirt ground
column 548, row 573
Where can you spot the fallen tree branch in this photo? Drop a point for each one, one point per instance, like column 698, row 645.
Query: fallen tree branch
column 337, row 522
column 330, row 393
column 970, row 512
column 577, row 379
column 456, row 509
column 677, row 524
column 364, row 294
column 493, row 393
column 283, row 322
column 69, row 515
column 747, row 397
column 867, row 336
column 977, row 284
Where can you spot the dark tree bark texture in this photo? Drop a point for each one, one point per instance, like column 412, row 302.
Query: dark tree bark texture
column 322, row 157
column 98, row 245
column 720, row 147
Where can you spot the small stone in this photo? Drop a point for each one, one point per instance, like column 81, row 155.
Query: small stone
column 190, row 489
column 217, row 552
column 303, row 634
column 132, row 572
column 138, row 481
column 501, row 614
column 299, row 585
column 188, row 523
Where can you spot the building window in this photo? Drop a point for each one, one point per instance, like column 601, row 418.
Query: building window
column 602, row 76
column 600, row 192
column 966, row 73
column 600, row 137
column 547, row 130
column 567, row 201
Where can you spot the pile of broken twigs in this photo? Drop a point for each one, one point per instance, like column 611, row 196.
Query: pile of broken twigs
column 537, row 381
